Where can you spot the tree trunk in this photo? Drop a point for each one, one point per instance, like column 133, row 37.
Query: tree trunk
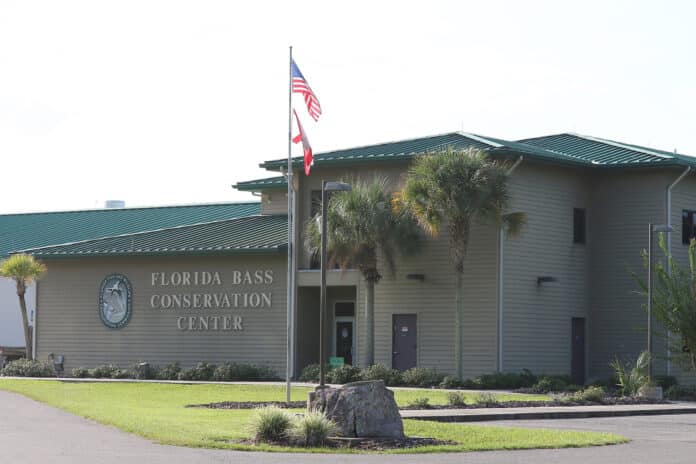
column 25, row 319
column 369, row 322
column 459, row 344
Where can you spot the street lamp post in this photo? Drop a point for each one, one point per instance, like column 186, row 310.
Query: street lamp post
column 652, row 228
column 326, row 187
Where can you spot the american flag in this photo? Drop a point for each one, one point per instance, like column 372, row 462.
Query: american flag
column 300, row 85
column 306, row 147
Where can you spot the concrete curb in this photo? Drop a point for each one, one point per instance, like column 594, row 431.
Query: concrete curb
column 580, row 412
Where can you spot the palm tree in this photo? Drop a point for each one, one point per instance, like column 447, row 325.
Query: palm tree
column 454, row 189
column 362, row 226
column 23, row 269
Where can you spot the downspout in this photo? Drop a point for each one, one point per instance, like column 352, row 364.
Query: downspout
column 501, row 256
column 668, row 221
column 36, row 320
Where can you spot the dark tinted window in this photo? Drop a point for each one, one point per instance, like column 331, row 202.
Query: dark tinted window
column 687, row 226
column 579, row 225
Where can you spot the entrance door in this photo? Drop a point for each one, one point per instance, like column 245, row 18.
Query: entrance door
column 344, row 341
column 577, row 363
column 404, row 341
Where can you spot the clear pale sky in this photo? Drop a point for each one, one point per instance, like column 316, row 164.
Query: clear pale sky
column 169, row 102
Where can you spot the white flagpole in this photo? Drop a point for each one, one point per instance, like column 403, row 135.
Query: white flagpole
column 290, row 278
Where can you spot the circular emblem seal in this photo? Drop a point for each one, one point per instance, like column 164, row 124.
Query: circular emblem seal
column 115, row 301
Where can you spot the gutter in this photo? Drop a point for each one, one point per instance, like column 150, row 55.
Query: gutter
column 501, row 257
column 668, row 221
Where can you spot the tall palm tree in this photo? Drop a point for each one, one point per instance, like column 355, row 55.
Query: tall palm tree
column 454, row 189
column 362, row 226
column 23, row 269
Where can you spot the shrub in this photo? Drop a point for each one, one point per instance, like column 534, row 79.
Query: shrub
column 456, row 399
column 201, row 372
column 235, row 372
column 503, row 380
column 168, row 372
column 121, row 374
column 666, row 381
column 420, row 403
column 313, row 428
column 552, row 383
column 681, row 393
column 270, row 424
column 80, row 372
column 28, row 368
column 344, row 374
column 631, row 378
column 422, row 377
column 105, row 371
column 450, row 382
column 591, row 394
column 390, row 377
column 310, row 373
column 142, row 371
column 486, row 399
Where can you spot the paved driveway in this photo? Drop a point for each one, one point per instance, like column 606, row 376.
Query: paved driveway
column 31, row 432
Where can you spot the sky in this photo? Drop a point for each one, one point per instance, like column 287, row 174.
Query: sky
column 173, row 102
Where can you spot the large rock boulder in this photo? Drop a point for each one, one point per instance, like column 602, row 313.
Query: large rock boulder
column 360, row 409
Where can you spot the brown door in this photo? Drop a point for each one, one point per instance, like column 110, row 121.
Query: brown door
column 404, row 341
column 577, row 363
column 344, row 341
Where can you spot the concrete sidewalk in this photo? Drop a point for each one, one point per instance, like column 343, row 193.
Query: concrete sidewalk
column 547, row 412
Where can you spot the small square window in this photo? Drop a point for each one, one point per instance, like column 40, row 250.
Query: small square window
column 688, row 231
column 579, row 225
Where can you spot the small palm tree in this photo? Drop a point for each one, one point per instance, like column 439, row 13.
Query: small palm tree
column 23, row 269
column 454, row 189
column 362, row 226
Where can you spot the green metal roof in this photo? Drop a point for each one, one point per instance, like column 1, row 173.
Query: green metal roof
column 253, row 234
column 600, row 152
column 262, row 184
column 393, row 151
column 32, row 230
column 562, row 148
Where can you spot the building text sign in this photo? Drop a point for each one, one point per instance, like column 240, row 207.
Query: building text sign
column 208, row 290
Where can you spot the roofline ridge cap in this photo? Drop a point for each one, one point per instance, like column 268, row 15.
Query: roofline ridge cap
column 368, row 145
column 132, row 208
column 646, row 151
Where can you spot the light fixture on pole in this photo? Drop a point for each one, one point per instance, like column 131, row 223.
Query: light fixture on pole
column 652, row 228
column 325, row 188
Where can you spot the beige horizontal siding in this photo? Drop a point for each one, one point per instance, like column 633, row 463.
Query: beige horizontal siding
column 69, row 324
column 537, row 318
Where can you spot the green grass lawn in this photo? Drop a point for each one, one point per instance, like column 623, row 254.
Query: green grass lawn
column 156, row 412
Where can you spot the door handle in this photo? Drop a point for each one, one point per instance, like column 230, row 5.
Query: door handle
column 395, row 352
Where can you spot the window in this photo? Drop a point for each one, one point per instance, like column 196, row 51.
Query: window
column 688, row 230
column 579, row 225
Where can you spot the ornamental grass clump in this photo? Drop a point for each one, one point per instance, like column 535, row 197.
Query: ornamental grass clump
column 486, row 399
column 270, row 424
column 456, row 399
column 631, row 379
column 313, row 428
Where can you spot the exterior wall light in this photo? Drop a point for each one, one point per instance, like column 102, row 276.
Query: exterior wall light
column 545, row 279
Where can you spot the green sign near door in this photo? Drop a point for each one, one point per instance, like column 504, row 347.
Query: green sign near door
column 335, row 361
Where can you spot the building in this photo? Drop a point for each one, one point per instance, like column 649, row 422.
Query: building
column 19, row 231
column 560, row 298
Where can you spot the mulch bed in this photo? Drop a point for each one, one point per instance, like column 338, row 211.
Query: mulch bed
column 363, row 444
column 250, row 405
column 609, row 401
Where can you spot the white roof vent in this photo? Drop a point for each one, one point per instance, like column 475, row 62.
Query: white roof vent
column 114, row 204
